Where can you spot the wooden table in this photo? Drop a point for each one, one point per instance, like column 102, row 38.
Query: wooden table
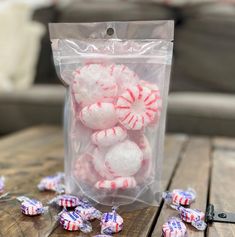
column 205, row 164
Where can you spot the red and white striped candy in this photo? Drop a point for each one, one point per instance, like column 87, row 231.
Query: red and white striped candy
column 84, row 170
column 123, row 159
column 174, row 227
column 98, row 162
column 146, row 169
column 190, row 215
column 70, row 221
column 154, row 88
column 67, row 200
column 99, row 116
column 93, row 83
column 109, row 137
column 141, row 140
column 183, row 197
column 31, row 207
column 137, row 107
column 125, row 77
column 118, row 183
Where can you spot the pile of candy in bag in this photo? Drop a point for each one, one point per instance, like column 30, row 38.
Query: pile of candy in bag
column 117, row 84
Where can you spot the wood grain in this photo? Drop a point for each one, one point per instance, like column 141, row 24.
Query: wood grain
column 28, row 156
column 192, row 171
column 222, row 193
column 139, row 223
column 25, row 158
column 223, row 143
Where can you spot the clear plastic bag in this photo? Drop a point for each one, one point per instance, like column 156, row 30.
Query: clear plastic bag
column 117, row 77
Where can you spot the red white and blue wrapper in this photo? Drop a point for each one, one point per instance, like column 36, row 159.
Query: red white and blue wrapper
column 174, row 227
column 2, row 184
column 87, row 211
column 102, row 236
column 111, row 223
column 52, row 183
column 72, row 221
column 180, row 197
column 66, row 200
column 193, row 216
column 31, row 207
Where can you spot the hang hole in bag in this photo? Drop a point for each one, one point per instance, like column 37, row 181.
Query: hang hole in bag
column 110, row 31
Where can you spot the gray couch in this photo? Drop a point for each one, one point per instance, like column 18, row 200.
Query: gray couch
column 201, row 100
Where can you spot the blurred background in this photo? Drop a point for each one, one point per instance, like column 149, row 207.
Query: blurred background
column 201, row 100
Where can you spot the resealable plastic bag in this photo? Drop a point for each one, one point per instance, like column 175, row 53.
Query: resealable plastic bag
column 117, row 79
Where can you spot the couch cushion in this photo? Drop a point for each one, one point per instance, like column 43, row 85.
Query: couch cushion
column 37, row 105
column 105, row 10
column 204, row 50
column 201, row 113
column 195, row 113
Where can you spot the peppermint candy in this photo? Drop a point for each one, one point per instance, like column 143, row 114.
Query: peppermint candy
column 180, row 196
column 66, row 200
column 193, row 216
column 72, row 221
column 137, row 107
column 111, row 223
column 2, row 184
column 31, row 207
column 174, row 227
column 87, row 211
column 52, row 183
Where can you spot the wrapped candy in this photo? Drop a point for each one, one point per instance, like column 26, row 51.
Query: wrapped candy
column 102, row 236
column 115, row 107
column 2, row 184
column 66, row 200
column 111, row 223
column 31, row 207
column 87, row 211
column 72, row 221
column 193, row 216
column 180, row 196
column 174, row 227
column 52, row 183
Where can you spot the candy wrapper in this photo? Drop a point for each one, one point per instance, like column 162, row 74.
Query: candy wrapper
column 174, row 227
column 111, row 223
column 31, row 207
column 193, row 216
column 66, row 201
column 72, row 221
column 87, row 211
column 52, row 183
column 117, row 80
column 180, row 196
column 2, row 184
column 102, row 236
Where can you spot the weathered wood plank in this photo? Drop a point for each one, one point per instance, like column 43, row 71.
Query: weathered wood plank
column 222, row 193
column 24, row 159
column 138, row 223
column 39, row 152
column 224, row 143
column 192, row 171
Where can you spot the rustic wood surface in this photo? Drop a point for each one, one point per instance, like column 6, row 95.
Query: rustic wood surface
column 144, row 217
column 192, row 172
column 222, row 193
column 27, row 156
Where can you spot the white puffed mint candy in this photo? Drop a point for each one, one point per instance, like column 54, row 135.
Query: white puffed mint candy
column 93, row 83
column 124, row 159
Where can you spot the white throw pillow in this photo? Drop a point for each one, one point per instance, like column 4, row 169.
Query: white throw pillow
column 19, row 46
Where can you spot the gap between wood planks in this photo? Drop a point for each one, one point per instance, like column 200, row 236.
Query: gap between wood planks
column 222, row 193
column 209, row 180
column 193, row 171
column 183, row 148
